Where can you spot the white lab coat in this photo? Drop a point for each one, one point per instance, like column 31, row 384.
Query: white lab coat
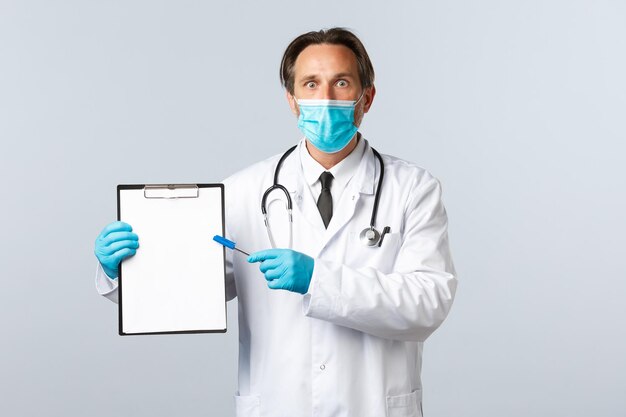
column 352, row 345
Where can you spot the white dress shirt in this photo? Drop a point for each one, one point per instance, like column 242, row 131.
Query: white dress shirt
column 342, row 172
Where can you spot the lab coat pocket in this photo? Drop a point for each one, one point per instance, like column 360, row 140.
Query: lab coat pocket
column 380, row 258
column 407, row 405
column 247, row 406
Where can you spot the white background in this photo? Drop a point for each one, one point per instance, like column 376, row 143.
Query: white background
column 518, row 107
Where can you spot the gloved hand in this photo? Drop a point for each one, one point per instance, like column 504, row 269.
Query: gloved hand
column 115, row 243
column 285, row 269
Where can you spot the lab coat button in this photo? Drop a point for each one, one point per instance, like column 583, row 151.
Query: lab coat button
column 322, row 367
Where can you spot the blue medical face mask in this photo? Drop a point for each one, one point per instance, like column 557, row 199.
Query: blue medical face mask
column 328, row 124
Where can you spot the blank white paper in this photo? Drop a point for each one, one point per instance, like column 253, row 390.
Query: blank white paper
column 175, row 281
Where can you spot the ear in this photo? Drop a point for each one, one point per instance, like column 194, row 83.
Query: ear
column 369, row 94
column 292, row 103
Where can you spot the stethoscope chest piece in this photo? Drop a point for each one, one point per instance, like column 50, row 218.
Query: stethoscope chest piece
column 369, row 236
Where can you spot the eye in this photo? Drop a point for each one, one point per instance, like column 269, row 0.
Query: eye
column 311, row 84
column 342, row 83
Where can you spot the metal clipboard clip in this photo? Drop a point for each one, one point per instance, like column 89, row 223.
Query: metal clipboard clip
column 171, row 191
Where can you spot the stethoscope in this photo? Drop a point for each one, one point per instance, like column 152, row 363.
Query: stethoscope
column 369, row 236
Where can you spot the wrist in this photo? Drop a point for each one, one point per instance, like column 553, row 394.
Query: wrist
column 110, row 273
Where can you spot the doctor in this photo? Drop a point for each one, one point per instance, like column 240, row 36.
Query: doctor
column 329, row 325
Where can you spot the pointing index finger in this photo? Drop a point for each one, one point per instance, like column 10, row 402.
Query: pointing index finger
column 262, row 255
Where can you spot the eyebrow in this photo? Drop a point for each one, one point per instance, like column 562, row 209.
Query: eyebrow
column 338, row 75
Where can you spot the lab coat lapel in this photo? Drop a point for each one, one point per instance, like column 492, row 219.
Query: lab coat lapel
column 362, row 182
column 304, row 204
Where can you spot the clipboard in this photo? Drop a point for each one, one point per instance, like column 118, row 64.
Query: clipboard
column 175, row 283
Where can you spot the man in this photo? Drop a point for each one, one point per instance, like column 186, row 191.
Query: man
column 336, row 327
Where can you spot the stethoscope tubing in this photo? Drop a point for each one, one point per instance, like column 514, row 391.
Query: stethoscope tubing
column 277, row 186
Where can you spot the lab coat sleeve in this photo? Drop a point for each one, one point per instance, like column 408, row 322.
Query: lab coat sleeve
column 106, row 286
column 411, row 302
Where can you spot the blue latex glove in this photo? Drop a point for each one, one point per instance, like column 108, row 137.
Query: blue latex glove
column 115, row 243
column 285, row 269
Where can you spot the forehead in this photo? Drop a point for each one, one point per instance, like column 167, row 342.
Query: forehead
column 325, row 59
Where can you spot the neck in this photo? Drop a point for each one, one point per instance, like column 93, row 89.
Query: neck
column 329, row 160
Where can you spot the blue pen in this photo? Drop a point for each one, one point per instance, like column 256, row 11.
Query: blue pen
column 228, row 243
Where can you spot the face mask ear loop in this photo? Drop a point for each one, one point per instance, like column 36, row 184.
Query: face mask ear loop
column 360, row 97
column 296, row 101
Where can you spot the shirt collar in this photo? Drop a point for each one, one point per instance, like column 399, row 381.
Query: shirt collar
column 342, row 172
